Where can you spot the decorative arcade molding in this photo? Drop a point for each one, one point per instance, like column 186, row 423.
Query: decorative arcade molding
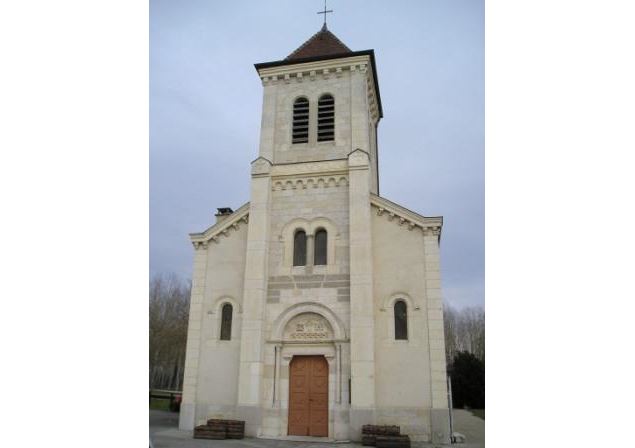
column 309, row 182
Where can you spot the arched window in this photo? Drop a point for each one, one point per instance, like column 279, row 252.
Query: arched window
column 326, row 118
column 320, row 247
column 300, row 121
column 299, row 248
column 401, row 320
column 226, row 323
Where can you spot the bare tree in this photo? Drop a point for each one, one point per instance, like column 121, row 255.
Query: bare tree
column 450, row 330
column 168, row 313
column 464, row 331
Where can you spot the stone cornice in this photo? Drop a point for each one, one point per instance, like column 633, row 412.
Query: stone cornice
column 232, row 222
column 324, row 69
column 318, row 67
column 321, row 167
column 405, row 217
column 373, row 105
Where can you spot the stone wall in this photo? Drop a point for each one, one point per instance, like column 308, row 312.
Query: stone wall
column 211, row 385
column 402, row 372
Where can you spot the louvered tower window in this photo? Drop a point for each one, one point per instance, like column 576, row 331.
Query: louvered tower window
column 326, row 118
column 301, row 121
column 226, row 323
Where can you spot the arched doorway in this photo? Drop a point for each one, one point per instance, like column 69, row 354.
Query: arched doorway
column 308, row 396
column 308, row 330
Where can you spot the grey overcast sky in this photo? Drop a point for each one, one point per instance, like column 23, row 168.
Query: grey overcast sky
column 206, row 98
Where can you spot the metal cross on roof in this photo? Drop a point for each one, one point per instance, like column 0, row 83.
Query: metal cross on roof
column 325, row 11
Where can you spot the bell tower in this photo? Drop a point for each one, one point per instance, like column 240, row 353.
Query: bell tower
column 315, row 174
column 320, row 103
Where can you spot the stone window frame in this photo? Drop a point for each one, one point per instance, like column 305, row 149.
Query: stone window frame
column 404, row 322
column 217, row 310
column 389, row 308
column 287, row 237
column 224, row 323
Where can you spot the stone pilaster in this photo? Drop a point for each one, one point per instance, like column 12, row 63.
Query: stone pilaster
column 255, row 295
column 188, row 406
column 361, row 293
column 359, row 108
column 438, row 384
column 360, row 115
column 310, row 250
column 268, row 123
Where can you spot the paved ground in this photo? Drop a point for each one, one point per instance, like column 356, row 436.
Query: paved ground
column 165, row 434
column 472, row 427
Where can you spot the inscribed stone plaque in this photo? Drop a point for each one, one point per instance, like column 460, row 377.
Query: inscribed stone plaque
column 308, row 327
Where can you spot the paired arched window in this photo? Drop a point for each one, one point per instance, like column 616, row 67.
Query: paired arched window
column 401, row 320
column 301, row 121
column 226, row 323
column 299, row 248
column 326, row 118
column 319, row 256
column 320, row 242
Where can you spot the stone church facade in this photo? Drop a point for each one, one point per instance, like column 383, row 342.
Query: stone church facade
column 316, row 307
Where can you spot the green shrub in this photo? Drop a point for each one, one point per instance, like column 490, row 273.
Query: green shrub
column 468, row 381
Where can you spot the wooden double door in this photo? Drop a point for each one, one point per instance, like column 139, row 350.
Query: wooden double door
column 309, row 396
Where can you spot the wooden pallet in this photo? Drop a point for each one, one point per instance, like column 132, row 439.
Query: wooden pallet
column 392, row 442
column 206, row 432
column 369, row 440
column 371, row 432
column 381, row 430
column 218, row 429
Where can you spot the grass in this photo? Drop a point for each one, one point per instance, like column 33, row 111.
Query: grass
column 162, row 404
column 480, row 413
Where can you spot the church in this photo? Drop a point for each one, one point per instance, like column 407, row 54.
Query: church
column 316, row 307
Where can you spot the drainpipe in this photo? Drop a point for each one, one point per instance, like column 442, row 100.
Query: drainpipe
column 450, row 409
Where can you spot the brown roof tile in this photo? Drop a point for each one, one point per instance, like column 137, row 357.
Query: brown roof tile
column 322, row 43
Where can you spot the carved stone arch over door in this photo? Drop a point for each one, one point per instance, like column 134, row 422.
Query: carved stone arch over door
column 308, row 327
column 280, row 324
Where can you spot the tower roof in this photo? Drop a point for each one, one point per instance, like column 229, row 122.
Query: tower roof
column 322, row 43
column 323, row 46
